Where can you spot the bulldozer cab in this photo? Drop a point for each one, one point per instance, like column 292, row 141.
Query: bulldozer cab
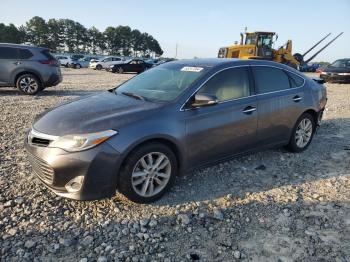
column 263, row 42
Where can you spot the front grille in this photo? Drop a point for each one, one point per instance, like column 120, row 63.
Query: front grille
column 42, row 169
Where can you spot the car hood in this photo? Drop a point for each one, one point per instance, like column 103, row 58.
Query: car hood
column 331, row 69
column 94, row 113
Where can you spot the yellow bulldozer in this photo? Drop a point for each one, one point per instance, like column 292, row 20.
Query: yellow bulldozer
column 260, row 45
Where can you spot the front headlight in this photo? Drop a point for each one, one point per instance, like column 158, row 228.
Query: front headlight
column 80, row 142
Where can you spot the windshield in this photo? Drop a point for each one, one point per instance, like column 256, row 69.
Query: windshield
column 341, row 63
column 162, row 83
column 250, row 39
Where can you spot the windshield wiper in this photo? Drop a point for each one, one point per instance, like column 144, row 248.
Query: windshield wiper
column 134, row 95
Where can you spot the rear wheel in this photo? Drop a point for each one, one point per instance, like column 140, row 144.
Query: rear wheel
column 77, row 66
column 120, row 70
column 28, row 84
column 98, row 67
column 148, row 173
column 303, row 133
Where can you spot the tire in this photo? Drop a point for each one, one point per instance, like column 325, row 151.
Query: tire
column 120, row 70
column 135, row 170
column 297, row 141
column 77, row 66
column 29, row 84
column 98, row 67
column 66, row 65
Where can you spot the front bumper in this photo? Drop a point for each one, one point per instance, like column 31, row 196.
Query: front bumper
column 55, row 168
column 336, row 78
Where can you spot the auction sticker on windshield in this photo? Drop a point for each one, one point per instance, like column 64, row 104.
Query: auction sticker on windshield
column 191, row 69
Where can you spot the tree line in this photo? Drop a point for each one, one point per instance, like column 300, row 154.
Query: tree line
column 66, row 35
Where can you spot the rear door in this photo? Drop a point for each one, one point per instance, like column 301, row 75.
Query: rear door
column 280, row 103
column 9, row 62
column 228, row 127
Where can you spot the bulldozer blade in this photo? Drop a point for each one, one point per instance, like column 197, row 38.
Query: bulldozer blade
column 315, row 45
column 319, row 51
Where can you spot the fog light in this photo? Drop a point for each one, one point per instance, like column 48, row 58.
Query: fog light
column 75, row 184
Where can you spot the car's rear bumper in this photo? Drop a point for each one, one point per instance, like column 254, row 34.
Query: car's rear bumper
column 55, row 168
column 53, row 80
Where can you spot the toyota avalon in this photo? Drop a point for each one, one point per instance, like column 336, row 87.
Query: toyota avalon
column 176, row 117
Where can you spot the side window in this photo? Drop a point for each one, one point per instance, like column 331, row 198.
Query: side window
column 107, row 60
column 270, row 79
column 25, row 54
column 133, row 62
column 8, row 53
column 116, row 59
column 295, row 80
column 228, row 84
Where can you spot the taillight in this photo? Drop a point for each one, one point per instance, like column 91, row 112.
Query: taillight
column 49, row 62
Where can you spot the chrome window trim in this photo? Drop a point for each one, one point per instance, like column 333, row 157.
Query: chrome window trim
column 230, row 100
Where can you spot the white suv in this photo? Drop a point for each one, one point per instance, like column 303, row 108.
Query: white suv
column 106, row 62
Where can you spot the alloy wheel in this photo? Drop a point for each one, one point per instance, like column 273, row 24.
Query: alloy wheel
column 303, row 133
column 151, row 174
column 28, row 85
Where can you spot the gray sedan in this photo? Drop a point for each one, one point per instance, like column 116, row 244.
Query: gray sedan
column 176, row 117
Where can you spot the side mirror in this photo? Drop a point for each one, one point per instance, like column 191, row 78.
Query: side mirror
column 204, row 100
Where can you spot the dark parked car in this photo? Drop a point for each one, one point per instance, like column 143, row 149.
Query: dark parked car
column 339, row 71
column 29, row 68
column 175, row 117
column 133, row 65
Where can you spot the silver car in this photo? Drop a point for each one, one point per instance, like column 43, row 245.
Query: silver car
column 175, row 117
column 29, row 68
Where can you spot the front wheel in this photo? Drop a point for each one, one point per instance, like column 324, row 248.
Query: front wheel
column 28, row 84
column 148, row 173
column 77, row 66
column 303, row 133
column 98, row 67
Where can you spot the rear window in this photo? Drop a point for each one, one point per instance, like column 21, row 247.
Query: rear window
column 47, row 54
column 8, row 53
column 295, row 80
column 24, row 54
column 270, row 79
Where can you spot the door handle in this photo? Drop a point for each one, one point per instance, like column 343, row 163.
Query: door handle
column 297, row 99
column 17, row 63
column 248, row 110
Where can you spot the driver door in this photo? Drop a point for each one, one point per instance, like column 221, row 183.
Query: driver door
column 226, row 128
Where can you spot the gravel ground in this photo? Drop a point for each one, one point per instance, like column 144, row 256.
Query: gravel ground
column 268, row 206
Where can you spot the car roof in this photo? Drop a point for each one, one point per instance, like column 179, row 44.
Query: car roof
column 342, row 59
column 215, row 62
column 20, row 45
